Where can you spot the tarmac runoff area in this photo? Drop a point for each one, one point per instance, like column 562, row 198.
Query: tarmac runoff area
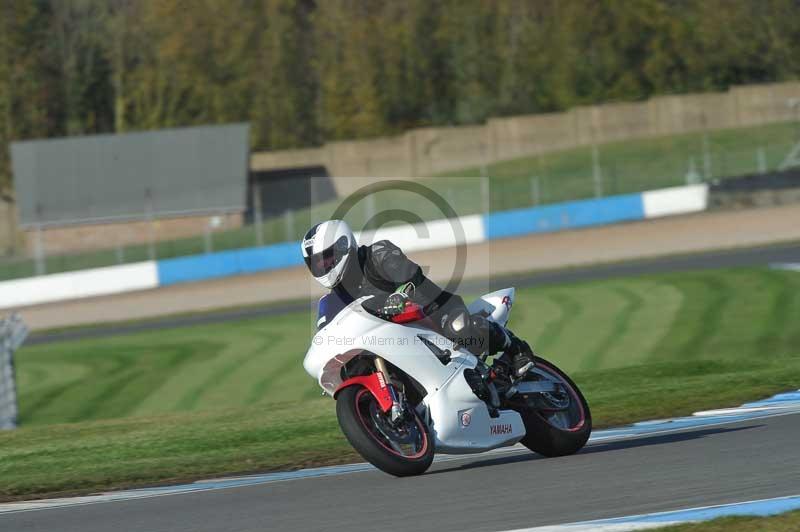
column 484, row 262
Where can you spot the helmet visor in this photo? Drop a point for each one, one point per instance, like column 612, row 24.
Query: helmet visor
column 326, row 260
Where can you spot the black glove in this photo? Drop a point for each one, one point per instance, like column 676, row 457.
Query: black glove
column 394, row 304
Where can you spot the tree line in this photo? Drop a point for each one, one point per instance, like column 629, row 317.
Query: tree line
column 304, row 72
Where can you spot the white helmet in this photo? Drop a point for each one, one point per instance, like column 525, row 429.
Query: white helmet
column 327, row 248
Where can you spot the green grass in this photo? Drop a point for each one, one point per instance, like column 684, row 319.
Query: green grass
column 626, row 167
column 635, row 166
column 197, row 401
column 76, row 458
column 788, row 522
column 177, row 370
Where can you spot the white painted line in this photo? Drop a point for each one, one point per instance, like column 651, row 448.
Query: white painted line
column 788, row 266
column 758, row 508
column 740, row 410
column 598, row 527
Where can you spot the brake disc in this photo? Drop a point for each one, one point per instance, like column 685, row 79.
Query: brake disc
column 400, row 433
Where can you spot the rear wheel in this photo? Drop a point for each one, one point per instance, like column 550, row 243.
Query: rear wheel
column 556, row 423
column 401, row 448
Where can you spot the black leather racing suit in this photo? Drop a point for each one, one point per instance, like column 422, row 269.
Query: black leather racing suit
column 381, row 268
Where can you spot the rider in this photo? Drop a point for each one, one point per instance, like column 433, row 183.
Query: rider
column 382, row 270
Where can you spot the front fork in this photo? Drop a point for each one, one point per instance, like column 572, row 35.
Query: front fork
column 397, row 408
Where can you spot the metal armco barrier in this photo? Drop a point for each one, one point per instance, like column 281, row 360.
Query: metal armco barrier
column 13, row 332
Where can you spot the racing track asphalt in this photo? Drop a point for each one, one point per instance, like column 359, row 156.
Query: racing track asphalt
column 758, row 256
column 714, row 465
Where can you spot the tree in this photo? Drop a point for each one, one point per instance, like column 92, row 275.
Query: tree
column 349, row 103
column 80, row 27
column 284, row 83
column 304, row 72
column 23, row 95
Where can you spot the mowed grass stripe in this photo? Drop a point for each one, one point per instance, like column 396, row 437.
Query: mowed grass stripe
column 648, row 325
column 586, row 326
column 533, row 318
column 777, row 327
column 44, row 376
column 66, row 398
column 172, row 393
column 743, row 322
column 120, row 388
column 286, row 382
column 711, row 319
column 167, row 362
column 621, row 323
column 244, row 354
column 120, row 376
column 216, row 388
column 569, row 309
column 276, row 373
column 695, row 318
column 587, row 306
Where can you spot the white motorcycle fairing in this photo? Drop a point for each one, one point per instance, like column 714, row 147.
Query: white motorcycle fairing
column 459, row 420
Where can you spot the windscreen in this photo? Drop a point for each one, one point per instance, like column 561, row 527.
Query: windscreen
column 329, row 306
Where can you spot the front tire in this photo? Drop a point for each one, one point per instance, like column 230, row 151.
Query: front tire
column 402, row 451
column 557, row 432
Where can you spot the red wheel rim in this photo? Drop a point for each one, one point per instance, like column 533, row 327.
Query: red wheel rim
column 573, row 394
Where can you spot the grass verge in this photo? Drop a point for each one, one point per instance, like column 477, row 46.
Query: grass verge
column 788, row 522
column 192, row 402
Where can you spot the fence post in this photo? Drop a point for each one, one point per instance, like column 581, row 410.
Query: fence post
column 451, row 197
column 794, row 104
column 484, row 161
column 706, row 157
column 535, row 191
column 38, row 251
column 258, row 216
column 597, row 173
column 792, row 159
column 208, row 245
column 151, row 230
column 13, row 332
column 761, row 160
column 40, row 266
column 289, row 224
column 10, row 227
column 486, row 198
column 692, row 177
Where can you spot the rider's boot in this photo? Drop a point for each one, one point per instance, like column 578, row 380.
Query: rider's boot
column 517, row 354
column 520, row 355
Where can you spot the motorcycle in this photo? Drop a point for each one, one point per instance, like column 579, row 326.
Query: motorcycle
column 403, row 391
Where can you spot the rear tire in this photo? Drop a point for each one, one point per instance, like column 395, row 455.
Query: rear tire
column 543, row 436
column 362, row 433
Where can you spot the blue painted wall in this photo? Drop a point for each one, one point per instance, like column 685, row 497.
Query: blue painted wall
column 518, row 222
column 562, row 216
column 227, row 263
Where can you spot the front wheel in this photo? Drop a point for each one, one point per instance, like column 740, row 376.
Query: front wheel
column 556, row 423
column 402, row 449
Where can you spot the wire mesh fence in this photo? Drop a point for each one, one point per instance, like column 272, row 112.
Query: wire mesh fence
column 13, row 332
column 586, row 172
